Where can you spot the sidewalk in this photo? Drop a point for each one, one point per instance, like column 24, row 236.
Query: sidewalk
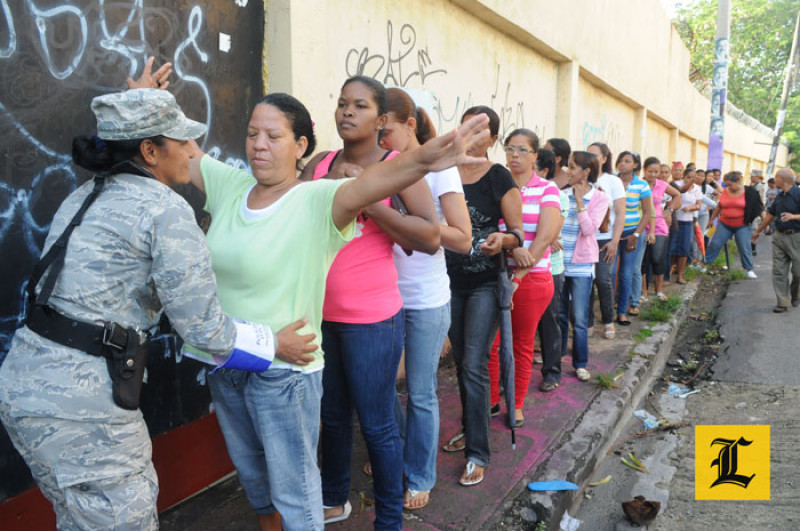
column 564, row 433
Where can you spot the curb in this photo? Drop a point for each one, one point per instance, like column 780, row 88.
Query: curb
column 577, row 453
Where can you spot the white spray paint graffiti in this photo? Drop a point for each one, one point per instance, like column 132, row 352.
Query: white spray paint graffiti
column 41, row 17
column 9, row 50
column 68, row 38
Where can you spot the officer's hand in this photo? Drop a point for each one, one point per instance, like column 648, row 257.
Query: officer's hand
column 295, row 348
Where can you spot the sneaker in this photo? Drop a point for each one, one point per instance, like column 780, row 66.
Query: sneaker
column 751, row 274
column 495, row 410
column 583, row 375
column 537, row 359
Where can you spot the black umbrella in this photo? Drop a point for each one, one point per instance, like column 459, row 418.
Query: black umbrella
column 505, row 289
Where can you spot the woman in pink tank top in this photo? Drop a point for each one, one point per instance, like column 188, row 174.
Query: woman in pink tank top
column 363, row 323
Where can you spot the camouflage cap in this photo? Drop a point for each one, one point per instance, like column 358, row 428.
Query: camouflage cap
column 142, row 113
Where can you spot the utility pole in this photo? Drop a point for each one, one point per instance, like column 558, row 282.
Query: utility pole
column 788, row 83
column 719, row 86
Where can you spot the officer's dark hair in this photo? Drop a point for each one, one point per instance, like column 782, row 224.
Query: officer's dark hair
column 379, row 95
column 533, row 139
column 546, row 160
column 297, row 114
column 606, row 151
column 586, row 160
column 96, row 154
column 561, row 149
column 494, row 119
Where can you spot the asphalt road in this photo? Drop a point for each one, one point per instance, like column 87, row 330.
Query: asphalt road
column 755, row 381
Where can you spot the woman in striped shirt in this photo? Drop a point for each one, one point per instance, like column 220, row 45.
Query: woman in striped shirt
column 533, row 286
column 587, row 208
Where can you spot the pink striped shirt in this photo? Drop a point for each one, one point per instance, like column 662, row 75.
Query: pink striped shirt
column 536, row 194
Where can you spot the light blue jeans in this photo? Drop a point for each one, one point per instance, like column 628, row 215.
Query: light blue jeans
column 636, row 280
column 575, row 298
column 419, row 423
column 271, row 426
column 724, row 233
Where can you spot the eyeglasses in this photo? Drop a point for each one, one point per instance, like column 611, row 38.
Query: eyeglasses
column 522, row 150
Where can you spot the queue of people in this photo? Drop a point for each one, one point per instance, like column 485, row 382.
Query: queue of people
column 395, row 242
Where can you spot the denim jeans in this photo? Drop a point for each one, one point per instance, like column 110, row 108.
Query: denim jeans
column 550, row 333
column 475, row 319
column 636, row 279
column 724, row 233
column 271, row 426
column 603, row 272
column 625, row 277
column 361, row 362
column 576, row 297
column 419, row 423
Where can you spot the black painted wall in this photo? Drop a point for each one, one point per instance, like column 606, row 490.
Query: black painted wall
column 55, row 56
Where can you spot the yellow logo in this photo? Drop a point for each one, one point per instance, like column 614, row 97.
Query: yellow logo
column 731, row 462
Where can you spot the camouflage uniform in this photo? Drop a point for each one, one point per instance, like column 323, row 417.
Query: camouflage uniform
column 137, row 251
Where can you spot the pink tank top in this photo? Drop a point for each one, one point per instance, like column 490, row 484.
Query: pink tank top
column 362, row 281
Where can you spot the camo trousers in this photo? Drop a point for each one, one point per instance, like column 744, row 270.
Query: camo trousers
column 96, row 475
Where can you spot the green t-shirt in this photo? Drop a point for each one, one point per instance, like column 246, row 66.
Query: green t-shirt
column 272, row 270
column 557, row 258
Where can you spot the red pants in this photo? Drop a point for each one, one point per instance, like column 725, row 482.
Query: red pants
column 529, row 303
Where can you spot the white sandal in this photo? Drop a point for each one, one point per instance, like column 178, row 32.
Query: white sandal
column 468, row 471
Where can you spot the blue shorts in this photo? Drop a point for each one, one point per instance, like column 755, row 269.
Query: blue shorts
column 681, row 242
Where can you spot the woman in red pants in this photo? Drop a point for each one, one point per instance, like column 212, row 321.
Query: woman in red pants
column 534, row 286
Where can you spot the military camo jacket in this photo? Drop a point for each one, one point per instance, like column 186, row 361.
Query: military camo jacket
column 137, row 251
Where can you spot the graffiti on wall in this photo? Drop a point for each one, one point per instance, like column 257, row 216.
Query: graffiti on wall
column 55, row 56
column 399, row 63
column 603, row 131
column 404, row 62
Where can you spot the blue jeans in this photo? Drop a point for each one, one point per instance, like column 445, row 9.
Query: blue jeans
column 271, row 426
column 636, row 280
column 576, row 296
column 419, row 428
column 721, row 237
column 627, row 261
column 475, row 319
column 361, row 362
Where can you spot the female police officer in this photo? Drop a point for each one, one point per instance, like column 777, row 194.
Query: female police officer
column 136, row 251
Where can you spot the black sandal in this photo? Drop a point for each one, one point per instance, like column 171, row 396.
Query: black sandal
column 621, row 322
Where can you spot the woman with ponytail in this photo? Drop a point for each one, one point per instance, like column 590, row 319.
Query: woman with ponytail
column 425, row 289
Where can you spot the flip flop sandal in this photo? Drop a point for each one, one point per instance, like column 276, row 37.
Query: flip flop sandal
column 412, row 494
column 468, row 472
column 457, row 443
column 634, row 311
column 367, row 469
column 662, row 297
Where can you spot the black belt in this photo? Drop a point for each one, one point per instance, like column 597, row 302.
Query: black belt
column 89, row 338
column 789, row 231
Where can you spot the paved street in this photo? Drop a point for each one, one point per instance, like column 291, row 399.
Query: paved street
column 755, row 381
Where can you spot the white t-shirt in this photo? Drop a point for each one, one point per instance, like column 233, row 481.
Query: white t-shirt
column 422, row 278
column 611, row 185
column 689, row 199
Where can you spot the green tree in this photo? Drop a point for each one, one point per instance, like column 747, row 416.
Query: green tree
column 760, row 43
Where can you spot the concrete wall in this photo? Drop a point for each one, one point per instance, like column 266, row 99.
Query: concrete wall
column 588, row 70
